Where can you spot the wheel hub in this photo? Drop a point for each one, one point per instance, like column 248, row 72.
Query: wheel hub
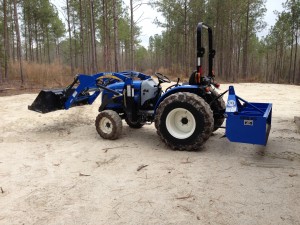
column 184, row 121
column 180, row 123
column 106, row 125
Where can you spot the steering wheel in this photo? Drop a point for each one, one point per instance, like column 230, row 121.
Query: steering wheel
column 162, row 78
column 174, row 85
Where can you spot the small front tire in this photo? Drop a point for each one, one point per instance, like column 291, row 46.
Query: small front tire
column 109, row 124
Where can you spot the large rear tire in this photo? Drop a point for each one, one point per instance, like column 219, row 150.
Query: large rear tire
column 217, row 107
column 184, row 121
column 109, row 124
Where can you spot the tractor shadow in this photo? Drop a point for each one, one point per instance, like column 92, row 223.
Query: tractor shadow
column 145, row 136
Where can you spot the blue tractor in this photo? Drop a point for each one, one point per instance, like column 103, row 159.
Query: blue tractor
column 185, row 115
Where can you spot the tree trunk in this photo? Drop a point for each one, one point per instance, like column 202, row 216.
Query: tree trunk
column 230, row 56
column 281, row 60
column 11, row 44
column 105, row 35
column 25, row 34
column 1, row 74
column 109, row 46
column 116, row 44
column 295, row 57
column 93, row 41
column 185, row 50
column 48, row 47
column 83, row 66
column 291, row 58
column 19, row 51
column 31, row 54
column 267, row 71
column 70, row 37
column 275, row 72
column 5, row 40
column 245, row 49
column 104, row 11
column 87, row 36
column 36, row 41
column 131, row 36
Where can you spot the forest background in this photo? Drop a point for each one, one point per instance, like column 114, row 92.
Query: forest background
column 38, row 47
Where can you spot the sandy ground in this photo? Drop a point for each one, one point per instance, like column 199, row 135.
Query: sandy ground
column 56, row 169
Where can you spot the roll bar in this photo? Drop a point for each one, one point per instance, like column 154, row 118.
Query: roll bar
column 201, row 49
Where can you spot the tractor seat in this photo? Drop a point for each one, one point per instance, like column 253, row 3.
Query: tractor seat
column 194, row 78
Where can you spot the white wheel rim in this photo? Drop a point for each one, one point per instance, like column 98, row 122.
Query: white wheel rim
column 106, row 125
column 180, row 123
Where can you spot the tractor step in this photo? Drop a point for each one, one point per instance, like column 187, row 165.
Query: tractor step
column 48, row 101
column 248, row 122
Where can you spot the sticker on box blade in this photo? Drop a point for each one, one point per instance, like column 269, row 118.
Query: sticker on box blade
column 248, row 122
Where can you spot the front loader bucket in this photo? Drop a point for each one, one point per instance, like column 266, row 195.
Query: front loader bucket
column 248, row 122
column 48, row 101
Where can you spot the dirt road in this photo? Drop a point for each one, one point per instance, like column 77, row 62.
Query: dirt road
column 56, row 169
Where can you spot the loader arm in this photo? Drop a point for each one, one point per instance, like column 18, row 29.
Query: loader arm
column 88, row 84
column 97, row 82
column 82, row 91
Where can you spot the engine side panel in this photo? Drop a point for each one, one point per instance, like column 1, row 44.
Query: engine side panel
column 149, row 90
column 109, row 102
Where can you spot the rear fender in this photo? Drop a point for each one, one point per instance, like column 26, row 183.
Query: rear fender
column 198, row 90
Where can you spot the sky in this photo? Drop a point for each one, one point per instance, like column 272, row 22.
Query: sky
column 270, row 17
column 147, row 16
column 146, row 23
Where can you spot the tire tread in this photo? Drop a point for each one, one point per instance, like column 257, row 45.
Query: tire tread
column 116, row 121
column 200, row 104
